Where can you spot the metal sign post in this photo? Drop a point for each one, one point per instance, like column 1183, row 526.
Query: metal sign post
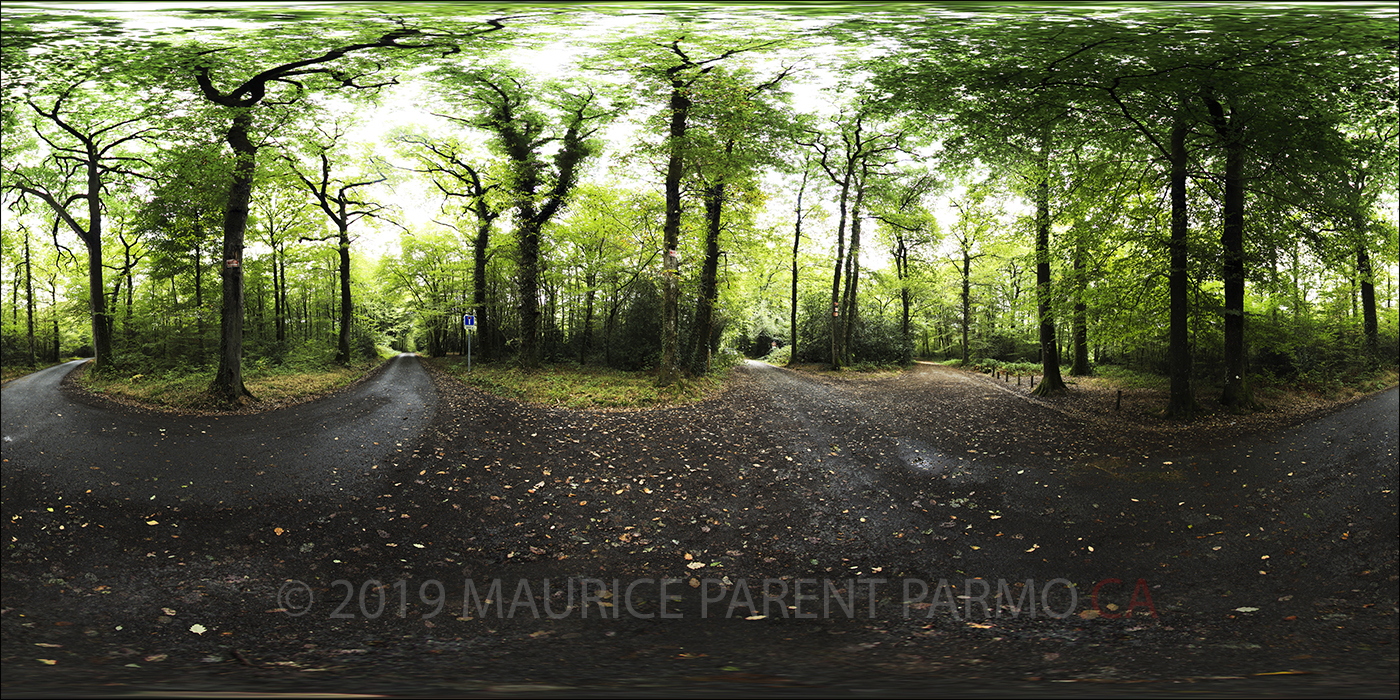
column 469, row 323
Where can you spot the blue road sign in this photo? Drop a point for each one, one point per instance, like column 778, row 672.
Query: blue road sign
column 469, row 320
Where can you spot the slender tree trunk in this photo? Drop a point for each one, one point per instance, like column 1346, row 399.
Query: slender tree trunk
column 53, row 311
column 199, row 297
column 278, row 295
column 29, row 298
column 485, row 320
column 529, row 242
column 966, row 301
column 346, row 309
column 1182, row 403
column 836, row 321
column 901, row 258
column 228, row 381
column 796, row 242
column 590, row 281
column 1080, row 332
column 852, row 300
column 1051, row 382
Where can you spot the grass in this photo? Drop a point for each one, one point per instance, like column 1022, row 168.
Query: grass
column 572, row 386
column 8, row 372
column 188, row 390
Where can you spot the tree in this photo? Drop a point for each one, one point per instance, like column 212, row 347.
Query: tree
column 848, row 156
column 449, row 165
column 500, row 103
column 736, row 131
column 799, row 214
column 678, row 71
column 281, row 85
column 338, row 199
column 87, row 141
column 971, row 232
column 911, row 226
column 282, row 216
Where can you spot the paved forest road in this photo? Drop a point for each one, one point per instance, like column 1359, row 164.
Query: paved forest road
column 1270, row 559
column 308, row 450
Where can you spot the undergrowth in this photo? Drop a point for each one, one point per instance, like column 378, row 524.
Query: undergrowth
column 187, row 388
column 582, row 387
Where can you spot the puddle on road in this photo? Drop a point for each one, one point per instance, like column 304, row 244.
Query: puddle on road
column 922, row 459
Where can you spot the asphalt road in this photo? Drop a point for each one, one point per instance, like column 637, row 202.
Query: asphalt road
column 309, row 450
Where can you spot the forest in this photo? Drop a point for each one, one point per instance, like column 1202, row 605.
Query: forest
column 1206, row 193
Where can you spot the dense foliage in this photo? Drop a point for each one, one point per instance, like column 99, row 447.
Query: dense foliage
column 1207, row 192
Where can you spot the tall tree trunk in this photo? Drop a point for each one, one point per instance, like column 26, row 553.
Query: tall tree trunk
column 1080, row 332
column 529, row 283
column 669, row 371
column 836, row 321
column 901, row 258
column 53, row 311
column 1236, row 393
column 485, row 320
column 966, row 302
column 1051, row 382
column 1182, row 402
column 29, row 298
column 1369, row 326
column 101, row 319
column 199, row 296
column 278, row 295
column 346, row 310
column 590, row 280
column 796, row 242
column 852, row 299
column 709, row 287
column 228, row 381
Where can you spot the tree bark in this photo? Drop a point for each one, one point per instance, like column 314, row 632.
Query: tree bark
column 709, row 286
column 1051, row 382
column 669, row 371
column 796, row 242
column 1236, row 393
column 484, row 319
column 1182, row 402
column 29, row 298
column 966, row 301
column 1080, row 331
column 228, row 380
column 346, row 310
column 852, row 301
column 837, row 333
column 1369, row 325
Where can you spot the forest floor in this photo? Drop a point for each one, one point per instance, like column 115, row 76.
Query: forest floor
column 930, row 531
